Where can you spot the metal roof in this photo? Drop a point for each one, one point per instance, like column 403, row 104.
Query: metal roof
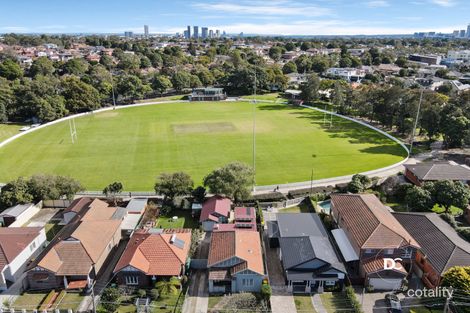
column 136, row 205
column 17, row 210
column 344, row 245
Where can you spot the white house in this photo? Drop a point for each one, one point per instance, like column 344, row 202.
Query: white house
column 18, row 215
column 349, row 74
column 18, row 245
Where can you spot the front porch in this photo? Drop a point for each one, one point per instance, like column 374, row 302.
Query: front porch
column 220, row 281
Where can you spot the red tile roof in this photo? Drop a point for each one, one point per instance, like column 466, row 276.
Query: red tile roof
column 215, row 206
column 370, row 224
column 155, row 253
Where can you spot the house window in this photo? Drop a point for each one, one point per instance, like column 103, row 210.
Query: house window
column 389, row 251
column 369, row 251
column 330, row 283
column 132, row 280
column 248, row 282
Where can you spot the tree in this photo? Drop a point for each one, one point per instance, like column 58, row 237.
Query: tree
column 113, row 189
column 310, row 88
column 338, row 97
column 168, row 287
column 7, row 100
column 175, row 184
column 76, row 67
column 233, row 180
column 42, row 66
column 15, row 192
column 455, row 126
column 447, row 193
column 110, row 299
column 161, row 84
column 130, row 87
column 418, row 199
column 80, row 96
column 199, row 194
column 10, row 70
column 289, row 67
column 401, row 61
column 266, row 291
column 181, row 80
column 358, row 183
column 275, row 52
column 457, row 277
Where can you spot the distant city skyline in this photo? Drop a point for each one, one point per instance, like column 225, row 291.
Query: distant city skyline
column 296, row 17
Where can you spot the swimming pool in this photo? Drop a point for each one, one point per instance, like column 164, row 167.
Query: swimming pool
column 325, row 206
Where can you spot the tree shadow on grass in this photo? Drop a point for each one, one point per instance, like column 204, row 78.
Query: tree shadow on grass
column 386, row 149
column 340, row 128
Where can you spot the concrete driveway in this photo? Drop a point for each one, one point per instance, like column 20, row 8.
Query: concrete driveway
column 282, row 301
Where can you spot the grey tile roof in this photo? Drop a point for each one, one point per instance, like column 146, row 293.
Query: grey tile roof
column 443, row 247
column 302, row 238
column 439, row 171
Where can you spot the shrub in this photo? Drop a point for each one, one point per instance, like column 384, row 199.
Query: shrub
column 449, row 218
column 154, row 294
column 141, row 293
column 464, row 232
column 352, row 297
column 266, row 291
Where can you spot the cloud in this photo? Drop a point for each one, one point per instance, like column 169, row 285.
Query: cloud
column 13, row 29
column 444, row 3
column 278, row 8
column 377, row 4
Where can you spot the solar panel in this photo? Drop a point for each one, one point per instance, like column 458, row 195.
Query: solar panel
column 179, row 243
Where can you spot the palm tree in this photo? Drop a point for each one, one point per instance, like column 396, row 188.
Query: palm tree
column 168, row 287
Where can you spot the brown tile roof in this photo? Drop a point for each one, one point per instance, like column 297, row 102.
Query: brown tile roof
column 219, row 274
column 156, row 254
column 439, row 171
column 81, row 243
column 369, row 222
column 13, row 240
column 443, row 247
column 78, row 205
column 245, row 245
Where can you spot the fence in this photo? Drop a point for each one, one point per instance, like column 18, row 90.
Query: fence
column 281, row 204
column 56, row 204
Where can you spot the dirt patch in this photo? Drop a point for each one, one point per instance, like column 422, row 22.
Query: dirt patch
column 195, row 128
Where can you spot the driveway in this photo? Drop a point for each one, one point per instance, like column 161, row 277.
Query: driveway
column 197, row 299
column 282, row 301
column 275, row 271
column 42, row 217
column 372, row 302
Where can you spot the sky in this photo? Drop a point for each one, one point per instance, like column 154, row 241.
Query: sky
column 281, row 17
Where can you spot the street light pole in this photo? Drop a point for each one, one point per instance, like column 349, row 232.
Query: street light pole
column 254, row 133
column 416, row 120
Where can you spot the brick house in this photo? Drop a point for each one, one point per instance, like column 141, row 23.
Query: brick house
column 436, row 171
column 153, row 254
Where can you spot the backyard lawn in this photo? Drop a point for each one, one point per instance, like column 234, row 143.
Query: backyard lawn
column 304, row 304
column 336, row 302
column 134, row 145
column 29, row 301
column 71, row 301
column 52, row 228
column 185, row 220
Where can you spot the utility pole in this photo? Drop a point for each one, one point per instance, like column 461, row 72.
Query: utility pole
column 254, row 134
column 311, row 183
column 416, row 120
column 112, row 90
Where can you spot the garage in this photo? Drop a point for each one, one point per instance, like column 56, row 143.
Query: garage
column 385, row 284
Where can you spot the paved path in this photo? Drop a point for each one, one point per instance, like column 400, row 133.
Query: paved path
column 317, row 304
column 197, row 300
column 282, row 302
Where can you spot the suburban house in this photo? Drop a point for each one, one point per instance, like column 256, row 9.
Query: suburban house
column 368, row 236
column 309, row 260
column 135, row 209
column 18, row 245
column 75, row 208
column 215, row 210
column 435, row 171
column 207, row 94
column 441, row 247
column 235, row 262
column 244, row 219
column 18, row 215
column 153, row 254
column 79, row 250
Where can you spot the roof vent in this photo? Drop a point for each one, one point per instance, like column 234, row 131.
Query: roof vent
column 173, row 238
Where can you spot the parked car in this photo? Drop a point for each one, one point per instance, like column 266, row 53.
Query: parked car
column 35, row 125
column 393, row 303
column 25, row 128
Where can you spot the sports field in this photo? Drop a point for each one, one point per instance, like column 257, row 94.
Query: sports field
column 134, row 145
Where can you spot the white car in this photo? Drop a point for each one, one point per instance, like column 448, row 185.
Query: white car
column 35, row 125
column 25, row 128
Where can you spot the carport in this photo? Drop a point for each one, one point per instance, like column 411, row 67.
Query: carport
column 344, row 245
